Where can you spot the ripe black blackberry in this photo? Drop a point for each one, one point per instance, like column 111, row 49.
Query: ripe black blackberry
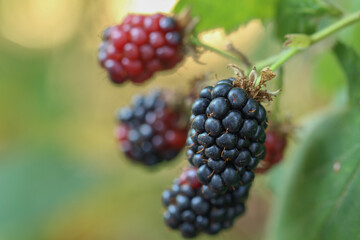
column 192, row 208
column 227, row 135
column 153, row 128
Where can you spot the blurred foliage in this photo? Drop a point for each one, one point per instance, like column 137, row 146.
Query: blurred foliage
column 307, row 16
column 317, row 188
column 294, row 16
column 350, row 36
column 61, row 175
column 350, row 61
column 327, row 83
column 229, row 15
column 318, row 196
column 35, row 183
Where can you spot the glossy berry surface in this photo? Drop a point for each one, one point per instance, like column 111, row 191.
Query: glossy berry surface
column 150, row 130
column 193, row 209
column 227, row 135
column 275, row 145
column 140, row 46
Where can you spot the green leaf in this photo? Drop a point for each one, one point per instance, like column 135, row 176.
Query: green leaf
column 350, row 36
column 329, row 78
column 304, row 16
column 350, row 61
column 226, row 14
column 319, row 198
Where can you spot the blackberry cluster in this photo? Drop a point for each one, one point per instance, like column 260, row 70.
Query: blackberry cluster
column 275, row 145
column 141, row 46
column 152, row 129
column 227, row 135
column 193, row 209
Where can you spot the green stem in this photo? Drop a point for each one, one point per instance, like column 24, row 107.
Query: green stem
column 320, row 35
column 346, row 21
column 266, row 62
column 284, row 57
column 316, row 37
column 197, row 42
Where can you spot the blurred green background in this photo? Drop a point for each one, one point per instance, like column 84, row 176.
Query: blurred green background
column 61, row 175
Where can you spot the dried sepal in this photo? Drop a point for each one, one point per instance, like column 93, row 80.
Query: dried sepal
column 266, row 75
column 250, row 84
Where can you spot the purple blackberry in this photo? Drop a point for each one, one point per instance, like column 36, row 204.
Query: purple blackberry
column 193, row 209
column 227, row 135
column 153, row 128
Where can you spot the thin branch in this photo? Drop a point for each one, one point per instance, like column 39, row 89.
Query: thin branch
column 230, row 47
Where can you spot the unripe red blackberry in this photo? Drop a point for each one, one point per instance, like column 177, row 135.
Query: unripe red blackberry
column 140, row 46
column 154, row 128
column 275, row 144
column 193, row 209
column 188, row 176
column 227, row 135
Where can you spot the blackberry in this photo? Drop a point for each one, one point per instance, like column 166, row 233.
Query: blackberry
column 193, row 209
column 140, row 46
column 275, row 144
column 227, row 135
column 188, row 176
column 153, row 128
